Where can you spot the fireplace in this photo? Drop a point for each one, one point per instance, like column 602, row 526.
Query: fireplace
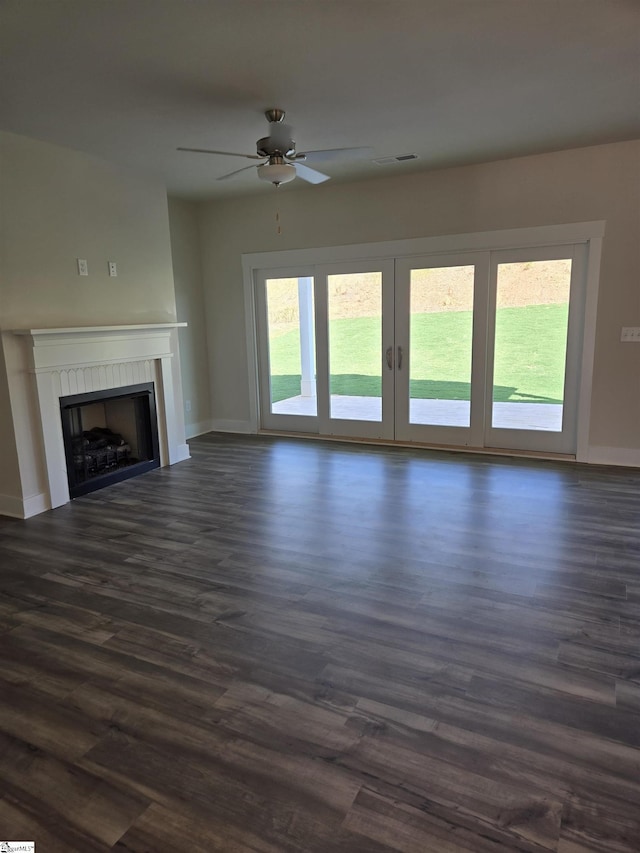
column 109, row 436
column 51, row 369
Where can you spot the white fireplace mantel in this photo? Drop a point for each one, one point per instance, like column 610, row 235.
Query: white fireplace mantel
column 79, row 360
column 60, row 348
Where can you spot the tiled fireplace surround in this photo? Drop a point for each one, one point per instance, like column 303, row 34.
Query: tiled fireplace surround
column 46, row 364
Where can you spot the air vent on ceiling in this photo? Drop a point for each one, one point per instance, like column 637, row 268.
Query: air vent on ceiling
column 400, row 158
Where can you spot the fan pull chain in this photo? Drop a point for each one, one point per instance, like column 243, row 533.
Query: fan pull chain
column 278, row 226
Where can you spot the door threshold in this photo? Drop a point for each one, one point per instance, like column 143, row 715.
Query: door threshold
column 449, row 448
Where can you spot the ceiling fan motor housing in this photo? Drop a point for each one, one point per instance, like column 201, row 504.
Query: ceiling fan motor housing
column 268, row 147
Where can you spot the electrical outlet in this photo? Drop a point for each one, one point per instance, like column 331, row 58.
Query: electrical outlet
column 83, row 266
column 113, row 269
column 630, row 333
column 187, row 405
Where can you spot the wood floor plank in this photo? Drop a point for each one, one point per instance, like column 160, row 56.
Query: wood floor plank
column 614, row 723
column 528, row 813
column 305, row 647
column 30, row 822
column 628, row 695
column 29, row 714
column 302, row 810
column 432, row 829
column 619, row 660
column 518, row 764
column 161, row 828
column 64, row 793
column 603, row 826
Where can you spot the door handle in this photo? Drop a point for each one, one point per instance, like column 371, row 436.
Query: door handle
column 399, row 358
column 389, row 355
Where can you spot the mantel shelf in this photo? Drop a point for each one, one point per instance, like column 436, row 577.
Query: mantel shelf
column 81, row 330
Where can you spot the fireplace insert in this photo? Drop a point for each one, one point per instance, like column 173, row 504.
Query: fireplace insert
column 109, row 436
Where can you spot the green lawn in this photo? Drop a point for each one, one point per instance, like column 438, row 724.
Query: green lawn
column 529, row 356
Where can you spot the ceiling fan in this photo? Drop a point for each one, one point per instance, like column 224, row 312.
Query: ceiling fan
column 282, row 163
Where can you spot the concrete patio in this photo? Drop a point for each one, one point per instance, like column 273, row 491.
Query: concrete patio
column 536, row 416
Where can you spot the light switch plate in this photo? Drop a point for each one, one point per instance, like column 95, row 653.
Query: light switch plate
column 113, row 269
column 630, row 333
column 83, row 266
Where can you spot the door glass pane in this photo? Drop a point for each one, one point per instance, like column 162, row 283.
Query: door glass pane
column 532, row 311
column 355, row 346
column 441, row 334
column 290, row 327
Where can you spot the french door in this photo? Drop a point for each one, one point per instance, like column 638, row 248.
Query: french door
column 478, row 349
column 441, row 321
column 325, row 346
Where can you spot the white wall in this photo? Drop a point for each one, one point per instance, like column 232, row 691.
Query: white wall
column 57, row 205
column 570, row 186
column 187, row 274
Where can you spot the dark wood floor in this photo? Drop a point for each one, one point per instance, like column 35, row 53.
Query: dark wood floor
column 285, row 645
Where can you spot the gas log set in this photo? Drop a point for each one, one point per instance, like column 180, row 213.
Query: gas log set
column 109, row 436
column 99, row 451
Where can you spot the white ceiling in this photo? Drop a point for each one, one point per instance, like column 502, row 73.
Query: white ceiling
column 454, row 81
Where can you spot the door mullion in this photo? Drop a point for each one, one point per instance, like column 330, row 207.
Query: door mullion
column 262, row 348
column 322, row 350
column 401, row 338
column 490, row 346
column 479, row 357
column 575, row 331
column 389, row 376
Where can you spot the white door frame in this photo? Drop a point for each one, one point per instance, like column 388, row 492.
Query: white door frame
column 590, row 233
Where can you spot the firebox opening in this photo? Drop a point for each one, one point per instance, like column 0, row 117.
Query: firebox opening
column 109, row 436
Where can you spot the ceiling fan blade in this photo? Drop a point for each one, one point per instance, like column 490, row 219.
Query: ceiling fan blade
column 237, row 172
column 226, row 153
column 343, row 154
column 310, row 175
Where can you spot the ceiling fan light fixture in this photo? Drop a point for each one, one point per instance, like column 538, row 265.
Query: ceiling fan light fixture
column 277, row 173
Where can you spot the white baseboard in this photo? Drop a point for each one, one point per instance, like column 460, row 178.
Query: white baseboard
column 628, row 457
column 192, row 430
column 11, row 506
column 18, row 508
column 36, row 504
column 183, row 452
column 244, row 427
